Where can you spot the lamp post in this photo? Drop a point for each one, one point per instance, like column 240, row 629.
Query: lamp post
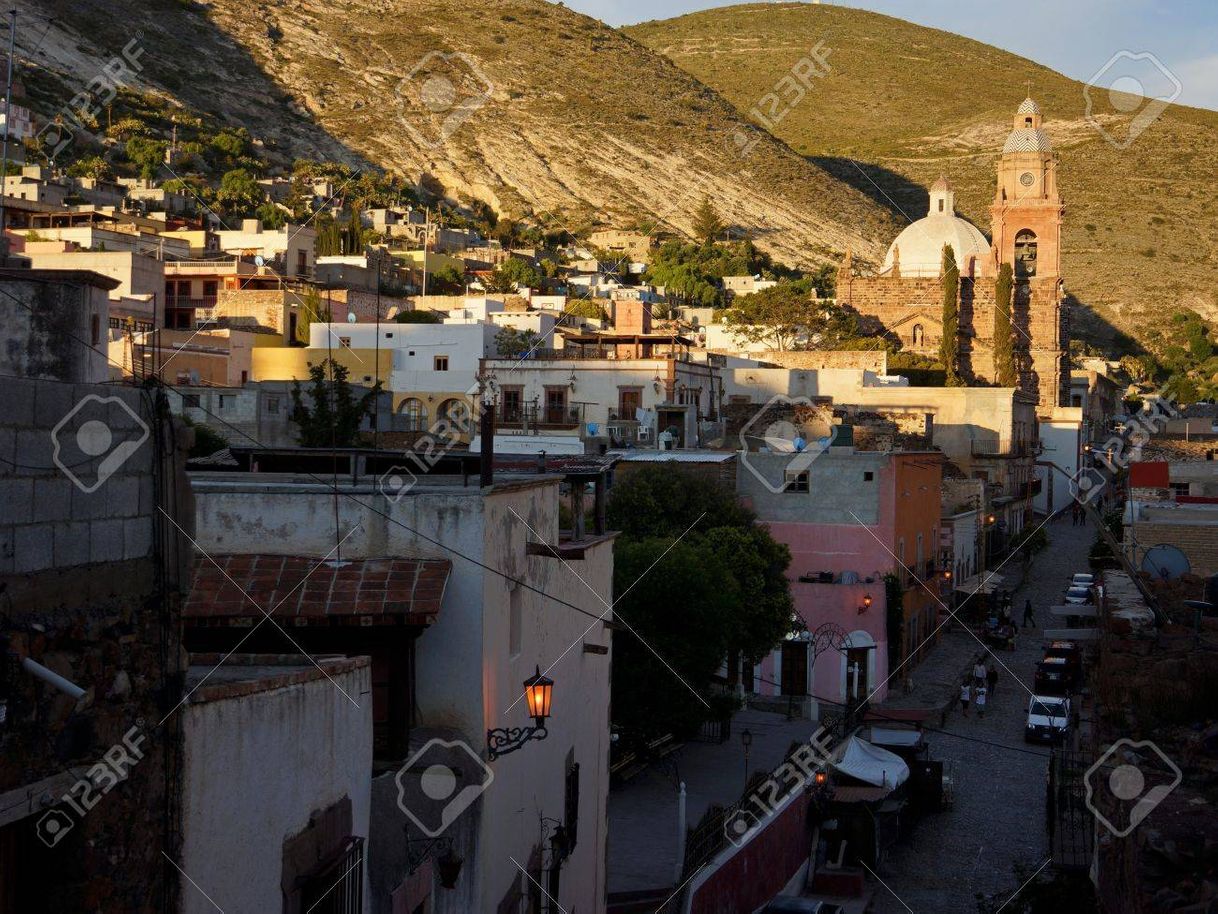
column 538, row 690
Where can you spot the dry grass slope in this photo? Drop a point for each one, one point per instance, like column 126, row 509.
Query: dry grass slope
column 904, row 103
column 579, row 120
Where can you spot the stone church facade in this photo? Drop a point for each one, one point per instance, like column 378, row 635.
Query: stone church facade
column 905, row 298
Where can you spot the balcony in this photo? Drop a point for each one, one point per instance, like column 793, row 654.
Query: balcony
column 183, row 301
column 991, row 447
column 533, row 416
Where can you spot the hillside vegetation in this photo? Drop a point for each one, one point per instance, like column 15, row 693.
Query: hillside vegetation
column 904, row 103
column 569, row 122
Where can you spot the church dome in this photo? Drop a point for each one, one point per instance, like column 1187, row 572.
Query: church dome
column 1028, row 107
column 1027, row 139
column 919, row 248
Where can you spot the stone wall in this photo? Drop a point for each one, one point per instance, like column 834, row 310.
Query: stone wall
column 1199, row 542
column 82, row 594
column 866, row 360
column 49, row 321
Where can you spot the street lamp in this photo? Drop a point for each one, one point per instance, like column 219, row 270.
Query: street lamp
column 538, row 690
column 866, row 604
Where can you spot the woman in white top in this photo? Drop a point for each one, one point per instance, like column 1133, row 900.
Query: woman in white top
column 966, row 692
column 979, row 698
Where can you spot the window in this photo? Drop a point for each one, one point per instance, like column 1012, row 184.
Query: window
column 95, row 328
column 628, row 400
column 344, row 341
column 511, row 401
column 919, row 335
column 868, row 476
column 245, row 376
column 272, row 405
column 941, row 203
column 222, row 401
column 415, row 413
column 1179, row 488
column 556, row 405
column 441, row 363
column 798, row 483
column 190, row 401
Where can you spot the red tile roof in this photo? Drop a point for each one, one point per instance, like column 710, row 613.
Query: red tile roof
column 300, row 586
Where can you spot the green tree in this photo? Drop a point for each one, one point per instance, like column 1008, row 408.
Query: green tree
column 718, row 586
column 1004, row 343
column 447, row 280
column 513, row 343
column 88, row 167
column 785, row 316
column 271, row 216
column 418, row 316
column 512, row 274
column 707, row 226
column 309, row 311
column 332, row 415
column 239, row 192
column 329, row 238
column 949, row 346
column 353, row 233
column 146, row 155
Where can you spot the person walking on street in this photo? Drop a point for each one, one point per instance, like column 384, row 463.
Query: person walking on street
column 979, row 673
column 1029, row 619
column 979, row 699
column 966, row 693
column 991, row 679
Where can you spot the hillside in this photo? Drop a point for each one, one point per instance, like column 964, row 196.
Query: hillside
column 904, row 103
column 569, row 122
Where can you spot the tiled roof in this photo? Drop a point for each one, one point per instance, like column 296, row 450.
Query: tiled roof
column 294, row 586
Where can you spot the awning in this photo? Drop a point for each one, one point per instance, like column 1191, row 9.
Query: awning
column 985, row 583
column 304, row 587
column 870, row 764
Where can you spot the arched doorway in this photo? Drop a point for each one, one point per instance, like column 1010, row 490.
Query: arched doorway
column 919, row 336
column 456, row 413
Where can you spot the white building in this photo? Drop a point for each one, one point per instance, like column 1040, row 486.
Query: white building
column 503, row 607
column 289, row 249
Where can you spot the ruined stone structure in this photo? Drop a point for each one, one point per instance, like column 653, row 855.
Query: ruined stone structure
column 906, row 297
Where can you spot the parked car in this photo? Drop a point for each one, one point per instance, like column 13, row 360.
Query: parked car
column 1048, row 719
column 1072, row 651
column 1054, row 676
column 1082, row 579
column 792, row 905
column 1078, row 595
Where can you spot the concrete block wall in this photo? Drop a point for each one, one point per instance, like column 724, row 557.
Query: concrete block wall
column 52, row 521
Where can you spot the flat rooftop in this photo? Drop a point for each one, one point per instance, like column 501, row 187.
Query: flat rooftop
column 213, row 677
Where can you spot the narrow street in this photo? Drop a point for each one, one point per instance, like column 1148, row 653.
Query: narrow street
column 998, row 820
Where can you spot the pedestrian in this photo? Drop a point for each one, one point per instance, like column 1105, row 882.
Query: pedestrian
column 965, row 694
column 991, row 679
column 1029, row 619
column 1074, row 515
column 979, row 673
column 979, row 698
column 1006, row 602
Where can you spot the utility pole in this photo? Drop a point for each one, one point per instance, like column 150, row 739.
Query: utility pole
column 8, row 120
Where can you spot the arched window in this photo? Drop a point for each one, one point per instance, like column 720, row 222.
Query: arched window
column 1025, row 254
column 919, row 336
column 416, row 414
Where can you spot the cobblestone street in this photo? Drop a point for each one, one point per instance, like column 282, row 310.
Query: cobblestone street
column 998, row 819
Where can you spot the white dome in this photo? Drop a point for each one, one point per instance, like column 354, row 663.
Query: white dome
column 921, row 245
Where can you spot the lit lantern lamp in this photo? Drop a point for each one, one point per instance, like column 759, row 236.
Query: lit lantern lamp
column 538, row 690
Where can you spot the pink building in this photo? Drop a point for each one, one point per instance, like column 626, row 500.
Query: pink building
column 849, row 518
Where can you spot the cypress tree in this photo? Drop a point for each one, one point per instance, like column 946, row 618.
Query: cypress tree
column 1004, row 344
column 949, row 346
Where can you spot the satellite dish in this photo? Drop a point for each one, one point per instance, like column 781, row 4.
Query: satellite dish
column 350, row 317
column 259, row 260
column 1165, row 562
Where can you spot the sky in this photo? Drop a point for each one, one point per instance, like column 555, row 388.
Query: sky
column 1075, row 37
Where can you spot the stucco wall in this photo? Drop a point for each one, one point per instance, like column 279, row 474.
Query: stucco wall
column 255, row 767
